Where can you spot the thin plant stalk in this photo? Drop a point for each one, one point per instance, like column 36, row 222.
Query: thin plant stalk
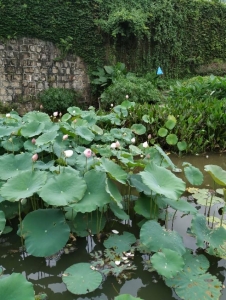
column 20, row 220
column 211, row 200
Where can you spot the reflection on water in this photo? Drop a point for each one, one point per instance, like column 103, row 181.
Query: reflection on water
column 46, row 274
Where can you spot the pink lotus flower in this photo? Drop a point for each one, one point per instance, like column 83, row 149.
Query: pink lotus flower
column 65, row 137
column 33, row 141
column 88, row 153
column 117, row 144
column 35, row 157
column 113, row 145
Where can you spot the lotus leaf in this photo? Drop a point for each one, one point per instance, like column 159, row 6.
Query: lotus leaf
column 86, row 224
column 162, row 181
column 162, row 132
column 193, row 282
column 181, row 205
column 114, row 170
column 96, row 129
column 45, row 232
column 81, row 279
column 135, row 150
column 63, row 189
column 120, row 110
column 74, row 111
column 50, row 127
column 118, row 212
column 66, row 117
column 213, row 239
column 116, row 133
column 31, row 129
column 171, row 139
column 12, row 165
column 206, row 197
column 95, row 195
column 2, row 221
column 136, row 181
column 182, row 146
column 46, row 138
column 23, row 185
column 16, row 287
column 36, row 116
column 13, row 144
column 120, row 243
column 113, row 191
column 8, row 130
column 85, row 133
column 167, row 263
column 146, row 207
column 10, row 209
column 60, row 145
column 138, row 129
column 155, row 238
column 126, row 297
column 193, row 175
column 170, row 123
column 217, row 173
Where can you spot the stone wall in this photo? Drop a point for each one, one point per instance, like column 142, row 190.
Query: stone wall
column 28, row 66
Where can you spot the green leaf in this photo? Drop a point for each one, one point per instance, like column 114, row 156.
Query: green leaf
column 114, row 170
column 217, row 173
column 96, row 129
column 162, row 132
column 162, row 181
column 23, row 185
column 31, row 129
column 81, row 279
column 138, row 129
column 167, row 263
column 63, row 189
column 113, row 191
column 16, row 287
column 136, row 181
column 120, row 243
column 182, row 146
column 171, row 139
column 207, row 197
column 155, row 238
column 126, row 297
column 142, row 206
column 74, row 111
column 86, row 224
column 46, row 138
column 118, row 212
column 181, row 205
column 13, row 144
column 170, row 124
column 2, row 221
column 193, row 175
column 45, row 232
column 85, row 133
column 36, row 116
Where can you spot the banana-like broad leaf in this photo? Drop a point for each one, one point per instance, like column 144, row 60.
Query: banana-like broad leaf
column 86, row 224
column 193, row 282
column 45, row 232
column 81, row 279
column 2, row 221
column 217, row 173
column 214, row 240
column 155, row 238
column 23, row 185
column 162, row 181
column 120, row 243
column 63, row 189
column 167, row 263
column 114, row 170
column 16, row 287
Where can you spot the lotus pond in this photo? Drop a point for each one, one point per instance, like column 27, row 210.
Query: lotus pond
column 87, row 213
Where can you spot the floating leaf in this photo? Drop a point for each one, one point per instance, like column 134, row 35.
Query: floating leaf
column 138, row 129
column 207, row 197
column 163, row 181
column 217, row 173
column 81, row 279
column 155, row 238
column 16, row 287
column 126, row 297
column 171, row 139
column 162, row 132
column 167, row 262
column 23, row 185
column 193, row 175
column 182, row 146
column 2, row 221
column 120, row 243
column 170, row 123
column 45, row 232
column 86, row 224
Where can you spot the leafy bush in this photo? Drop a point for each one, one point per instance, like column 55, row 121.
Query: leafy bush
column 58, row 99
column 216, row 67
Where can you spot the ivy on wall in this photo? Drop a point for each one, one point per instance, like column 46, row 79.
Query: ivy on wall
column 178, row 35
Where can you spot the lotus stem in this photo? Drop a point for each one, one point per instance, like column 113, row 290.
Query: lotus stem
column 101, row 215
column 174, row 215
column 222, row 216
column 211, row 200
column 166, row 217
column 20, row 219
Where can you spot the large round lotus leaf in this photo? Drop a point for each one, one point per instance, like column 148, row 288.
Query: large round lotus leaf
column 181, row 205
column 13, row 144
column 138, row 129
column 217, row 173
column 63, row 189
column 81, row 279
column 171, row 139
column 23, row 185
column 10, row 209
column 193, row 175
column 60, row 145
column 214, row 238
column 192, row 282
column 12, row 165
column 182, row 146
column 50, row 126
column 113, row 191
column 45, row 232
column 126, row 297
column 146, row 207
column 36, row 116
column 16, row 287
column 95, row 195
column 155, row 238
column 163, row 181
column 170, row 124
column 114, row 170
column 85, row 133
column 206, row 197
column 31, row 129
column 162, row 132
column 74, row 111
column 136, row 181
column 7, row 130
column 118, row 212
column 86, row 224
column 120, row 243
column 2, row 221
column 167, row 263
column 46, row 138
column 96, row 129
column 163, row 155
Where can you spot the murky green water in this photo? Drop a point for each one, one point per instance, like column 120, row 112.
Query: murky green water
column 46, row 274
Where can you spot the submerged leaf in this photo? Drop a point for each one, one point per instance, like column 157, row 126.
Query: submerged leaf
column 120, row 243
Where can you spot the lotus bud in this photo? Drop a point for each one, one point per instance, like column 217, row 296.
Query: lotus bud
column 23, row 201
column 117, row 144
column 149, row 136
column 41, row 106
column 60, row 114
column 68, row 153
column 8, row 115
column 113, row 145
column 112, row 104
column 127, row 96
column 87, row 153
column 145, row 144
column 133, row 140
column 33, row 141
column 34, row 157
column 74, row 121
column 55, row 114
column 65, row 137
